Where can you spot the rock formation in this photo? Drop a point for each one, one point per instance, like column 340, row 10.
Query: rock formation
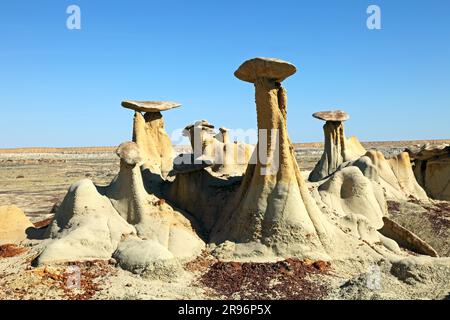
column 13, row 225
column 230, row 158
column 150, row 135
column 403, row 171
column 395, row 175
column 273, row 206
column 432, row 169
column 92, row 222
column 150, row 224
column 86, row 227
column 337, row 149
column 406, row 238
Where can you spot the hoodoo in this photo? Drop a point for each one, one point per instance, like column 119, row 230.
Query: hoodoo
column 267, row 213
column 229, row 158
column 150, row 135
column 273, row 206
column 337, row 148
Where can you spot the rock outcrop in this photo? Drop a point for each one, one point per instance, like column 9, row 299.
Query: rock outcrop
column 86, row 227
column 230, row 158
column 395, row 175
column 273, row 206
column 156, row 213
column 338, row 149
column 92, row 222
column 150, row 135
column 13, row 225
column 432, row 169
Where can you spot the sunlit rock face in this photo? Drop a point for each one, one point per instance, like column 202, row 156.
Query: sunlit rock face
column 432, row 169
column 162, row 210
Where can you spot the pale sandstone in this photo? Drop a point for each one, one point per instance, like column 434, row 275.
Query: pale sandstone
column 13, row 225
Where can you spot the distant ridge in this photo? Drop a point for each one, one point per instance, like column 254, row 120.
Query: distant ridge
column 75, row 150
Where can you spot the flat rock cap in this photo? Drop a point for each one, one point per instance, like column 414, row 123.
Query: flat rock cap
column 202, row 124
column 337, row 115
column 149, row 106
column 270, row 68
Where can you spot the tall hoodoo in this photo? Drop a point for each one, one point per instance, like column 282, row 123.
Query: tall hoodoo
column 229, row 158
column 337, row 148
column 150, row 135
column 273, row 206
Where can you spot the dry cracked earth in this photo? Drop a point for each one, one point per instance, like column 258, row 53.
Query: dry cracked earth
column 36, row 180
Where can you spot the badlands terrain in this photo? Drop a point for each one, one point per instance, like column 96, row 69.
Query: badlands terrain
column 37, row 179
column 223, row 219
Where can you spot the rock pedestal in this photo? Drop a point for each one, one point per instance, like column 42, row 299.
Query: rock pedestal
column 337, row 149
column 150, row 135
column 273, row 206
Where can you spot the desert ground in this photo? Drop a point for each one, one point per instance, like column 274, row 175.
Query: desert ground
column 36, row 180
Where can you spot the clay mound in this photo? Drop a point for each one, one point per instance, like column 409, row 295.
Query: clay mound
column 86, row 227
column 348, row 192
column 432, row 169
column 357, row 201
column 13, row 225
column 396, row 176
column 148, row 258
column 92, row 222
column 153, row 218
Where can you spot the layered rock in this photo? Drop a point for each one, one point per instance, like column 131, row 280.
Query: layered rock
column 432, row 169
column 156, row 213
column 86, row 227
column 273, row 206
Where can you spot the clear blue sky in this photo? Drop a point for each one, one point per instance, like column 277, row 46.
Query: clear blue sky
column 63, row 87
